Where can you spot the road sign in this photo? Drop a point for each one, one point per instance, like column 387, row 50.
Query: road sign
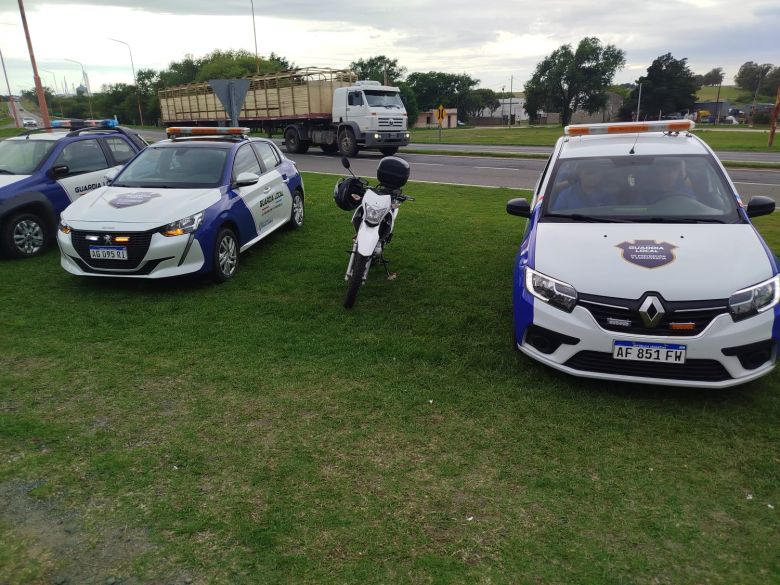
column 440, row 114
column 232, row 93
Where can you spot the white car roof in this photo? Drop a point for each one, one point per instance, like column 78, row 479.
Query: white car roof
column 41, row 136
column 651, row 143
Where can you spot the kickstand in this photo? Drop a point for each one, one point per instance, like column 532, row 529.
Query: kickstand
column 385, row 263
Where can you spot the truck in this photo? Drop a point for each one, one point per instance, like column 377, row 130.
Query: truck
column 328, row 108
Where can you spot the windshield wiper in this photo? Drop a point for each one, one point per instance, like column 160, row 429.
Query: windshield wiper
column 586, row 218
column 6, row 172
column 676, row 220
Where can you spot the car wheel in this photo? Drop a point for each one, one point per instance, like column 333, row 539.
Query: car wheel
column 347, row 143
column 25, row 235
column 389, row 150
column 296, row 213
column 225, row 261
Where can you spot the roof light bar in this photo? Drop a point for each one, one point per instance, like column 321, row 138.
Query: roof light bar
column 629, row 127
column 206, row 131
column 74, row 123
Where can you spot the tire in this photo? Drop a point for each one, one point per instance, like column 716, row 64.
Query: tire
column 296, row 213
column 355, row 280
column 329, row 148
column 225, row 256
column 293, row 142
column 25, row 235
column 389, row 150
column 348, row 145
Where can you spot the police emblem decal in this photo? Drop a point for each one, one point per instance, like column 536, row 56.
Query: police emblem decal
column 648, row 253
column 132, row 199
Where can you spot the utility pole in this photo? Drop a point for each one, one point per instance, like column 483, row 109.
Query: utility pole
column 503, row 87
column 755, row 97
column 38, row 86
column 254, row 30
column 717, row 104
column 638, row 103
column 10, row 95
column 511, row 82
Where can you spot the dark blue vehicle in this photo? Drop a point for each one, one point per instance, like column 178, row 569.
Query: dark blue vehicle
column 42, row 172
column 185, row 205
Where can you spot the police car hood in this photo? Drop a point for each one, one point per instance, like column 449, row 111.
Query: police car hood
column 679, row 261
column 145, row 208
column 6, row 180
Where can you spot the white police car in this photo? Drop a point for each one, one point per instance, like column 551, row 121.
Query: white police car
column 43, row 171
column 185, row 205
column 639, row 262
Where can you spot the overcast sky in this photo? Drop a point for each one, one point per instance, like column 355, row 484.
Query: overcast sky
column 491, row 41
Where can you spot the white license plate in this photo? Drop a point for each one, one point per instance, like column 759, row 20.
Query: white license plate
column 108, row 252
column 668, row 353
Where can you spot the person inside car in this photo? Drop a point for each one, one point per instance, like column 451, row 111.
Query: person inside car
column 588, row 187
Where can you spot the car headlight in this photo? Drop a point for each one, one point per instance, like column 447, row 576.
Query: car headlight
column 755, row 299
column 374, row 214
column 552, row 291
column 64, row 227
column 376, row 136
column 183, row 226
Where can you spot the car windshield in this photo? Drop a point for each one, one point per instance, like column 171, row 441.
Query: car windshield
column 674, row 189
column 22, row 157
column 175, row 167
column 388, row 99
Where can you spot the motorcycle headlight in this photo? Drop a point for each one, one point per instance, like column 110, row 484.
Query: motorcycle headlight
column 755, row 299
column 552, row 291
column 374, row 214
column 183, row 226
column 64, row 227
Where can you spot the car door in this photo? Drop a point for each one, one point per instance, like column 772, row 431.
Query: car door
column 271, row 159
column 259, row 198
column 87, row 166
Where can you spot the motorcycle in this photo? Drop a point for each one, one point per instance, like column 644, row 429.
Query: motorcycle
column 374, row 217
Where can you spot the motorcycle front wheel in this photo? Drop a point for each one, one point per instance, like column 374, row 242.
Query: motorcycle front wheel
column 355, row 279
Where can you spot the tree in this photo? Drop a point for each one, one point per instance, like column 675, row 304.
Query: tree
column 220, row 65
column 481, row 99
column 434, row 88
column 410, row 102
column 713, row 77
column 669, row 86
column 567, row 80
column 379, row 68
column 752, row 76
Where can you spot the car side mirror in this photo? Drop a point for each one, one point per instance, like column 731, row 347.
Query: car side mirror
column 110, row 175
column 760, row 205
column 58, row 171
column 246, row 179
column 518, row 206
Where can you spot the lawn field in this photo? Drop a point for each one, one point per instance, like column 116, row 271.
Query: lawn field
column 546, row 136
column 256, row 432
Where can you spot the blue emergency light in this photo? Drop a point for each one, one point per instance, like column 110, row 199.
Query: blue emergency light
column 73, row 123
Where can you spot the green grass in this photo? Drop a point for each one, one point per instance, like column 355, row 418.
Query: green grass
column 546, row 136
column 256, row 432
column 731, row 93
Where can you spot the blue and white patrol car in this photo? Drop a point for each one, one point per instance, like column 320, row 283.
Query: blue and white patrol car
column 189, row 204
column 639, row 262
column 43, row 171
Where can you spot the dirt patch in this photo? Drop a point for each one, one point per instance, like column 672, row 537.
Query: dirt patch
column 63, row 547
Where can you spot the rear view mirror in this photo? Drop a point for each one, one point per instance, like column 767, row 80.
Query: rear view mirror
column 58, row 171
column 760, row 205
column 518, row 206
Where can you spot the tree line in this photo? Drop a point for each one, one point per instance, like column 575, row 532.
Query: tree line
column 567, row 80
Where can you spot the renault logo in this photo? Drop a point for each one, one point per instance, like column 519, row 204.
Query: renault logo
column 651, row 311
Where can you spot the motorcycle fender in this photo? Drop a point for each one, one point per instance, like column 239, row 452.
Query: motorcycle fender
column 367, row 239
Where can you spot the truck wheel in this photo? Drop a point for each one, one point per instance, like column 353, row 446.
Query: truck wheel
column 389, row 150
column 329, row 148
column 347, row 143
column 293, row 142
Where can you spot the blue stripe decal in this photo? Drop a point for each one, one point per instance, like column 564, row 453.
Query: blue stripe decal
column 522, row 300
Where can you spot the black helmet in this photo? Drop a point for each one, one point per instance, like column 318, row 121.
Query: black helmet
column 343, row 191
column 392, row 172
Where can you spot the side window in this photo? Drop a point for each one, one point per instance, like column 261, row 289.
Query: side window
column 540, row 180
column 355, row 98
column 246, row 162
column 120, row 150
column 268, row 154
column 83, row 156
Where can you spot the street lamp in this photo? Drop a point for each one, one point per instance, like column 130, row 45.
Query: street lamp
column 54, row 88
column 85, row 79
column 135, row 80
column 254, row 30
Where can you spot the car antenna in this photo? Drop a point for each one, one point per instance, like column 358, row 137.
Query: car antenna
column 633, row 145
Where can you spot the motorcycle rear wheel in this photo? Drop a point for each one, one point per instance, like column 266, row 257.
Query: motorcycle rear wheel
column 355, row 279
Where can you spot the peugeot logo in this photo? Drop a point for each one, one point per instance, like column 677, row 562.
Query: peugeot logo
column 651, row 311
column 107, row 238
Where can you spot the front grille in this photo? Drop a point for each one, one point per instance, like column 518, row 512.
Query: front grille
column 691, row 370
column 391, row 122
column 622, row 315
column 136, row 248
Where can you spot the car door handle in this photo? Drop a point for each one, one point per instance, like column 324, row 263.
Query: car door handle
column 267, row 190
column 285, row 178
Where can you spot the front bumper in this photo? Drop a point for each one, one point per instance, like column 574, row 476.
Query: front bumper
column 379, row 139
column 706, row 365
column 164, row 257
